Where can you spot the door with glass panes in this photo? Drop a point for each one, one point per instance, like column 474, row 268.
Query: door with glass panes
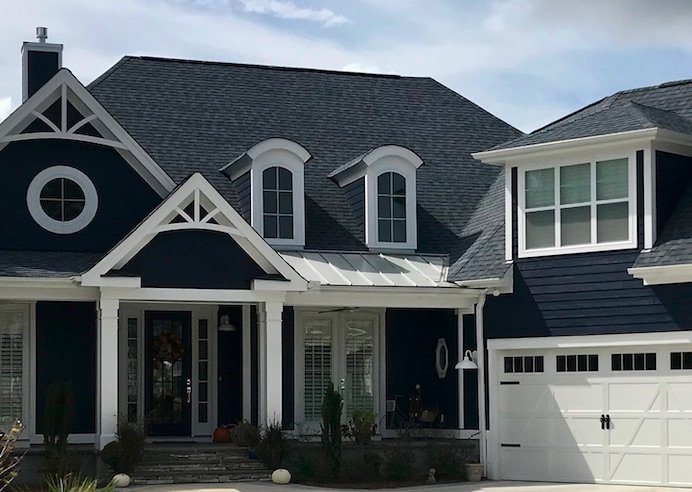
column 340, row 347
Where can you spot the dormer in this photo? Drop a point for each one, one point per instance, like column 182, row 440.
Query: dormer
column 269, row 180
column 387, row 177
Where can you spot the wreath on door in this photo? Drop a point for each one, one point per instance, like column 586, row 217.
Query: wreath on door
column 168, row 348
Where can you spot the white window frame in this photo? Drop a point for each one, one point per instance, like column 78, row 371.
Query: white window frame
column 338, row 320
column 33, row 200
column 390, row 163
column 291, row 156
column 556, row 163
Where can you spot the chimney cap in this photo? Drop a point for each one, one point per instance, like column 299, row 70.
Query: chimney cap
column 41, row 34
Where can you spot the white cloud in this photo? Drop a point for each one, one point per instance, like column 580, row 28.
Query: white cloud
column 288, row 10
column 5, row 107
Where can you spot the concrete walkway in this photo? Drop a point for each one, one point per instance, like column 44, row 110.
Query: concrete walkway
column 460, row 487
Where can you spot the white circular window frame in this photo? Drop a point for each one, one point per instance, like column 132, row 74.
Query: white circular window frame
column 33, row 200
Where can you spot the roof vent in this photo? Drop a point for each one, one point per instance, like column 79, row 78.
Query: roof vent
column 41, row 34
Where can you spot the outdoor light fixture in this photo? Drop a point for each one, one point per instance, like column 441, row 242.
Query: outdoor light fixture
column 468, row 362
column 225, row 324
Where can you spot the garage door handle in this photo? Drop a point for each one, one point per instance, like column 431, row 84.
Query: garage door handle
column 607, row 422
column 603, row 420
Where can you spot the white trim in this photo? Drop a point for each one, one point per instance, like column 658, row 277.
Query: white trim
column 509, row 240
column 381, row 297
column 576, row 341
column 649, row 196
column 556, row 163
column 33, row 200
column 636, row 138
column 65, row 85
column 199, row 191
column 390, row 164
column 667, row 274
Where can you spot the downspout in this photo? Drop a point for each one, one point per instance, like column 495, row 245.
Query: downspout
column 480, row 361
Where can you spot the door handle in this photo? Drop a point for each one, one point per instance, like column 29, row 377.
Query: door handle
column 603, row 420
column 188, row 388
column 607, row 422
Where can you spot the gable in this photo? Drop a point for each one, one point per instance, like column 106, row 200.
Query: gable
column 194, row 239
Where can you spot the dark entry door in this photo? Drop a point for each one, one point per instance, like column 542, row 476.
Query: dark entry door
column 167, row 373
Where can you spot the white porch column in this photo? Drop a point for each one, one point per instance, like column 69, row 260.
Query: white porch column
column 107, row 372
column 269, row 344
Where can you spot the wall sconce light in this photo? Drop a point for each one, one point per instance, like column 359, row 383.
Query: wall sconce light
column 225, row 324
column 469, row 361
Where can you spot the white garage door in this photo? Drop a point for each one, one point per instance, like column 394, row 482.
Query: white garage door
column 596, row 415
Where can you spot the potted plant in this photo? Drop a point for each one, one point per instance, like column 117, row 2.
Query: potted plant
column 474, row 471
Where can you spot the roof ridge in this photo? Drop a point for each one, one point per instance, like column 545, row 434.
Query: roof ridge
column 273, row 67
column 108, row 72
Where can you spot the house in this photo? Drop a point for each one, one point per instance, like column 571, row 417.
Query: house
column 590, row 357
column 195, row 243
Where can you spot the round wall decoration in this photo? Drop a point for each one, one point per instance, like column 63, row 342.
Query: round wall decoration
column 62, row 199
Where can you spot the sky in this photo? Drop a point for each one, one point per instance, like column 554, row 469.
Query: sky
column 528, row 62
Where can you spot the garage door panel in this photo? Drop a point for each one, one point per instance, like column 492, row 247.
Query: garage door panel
column 632, row 467
column 634, row 397
column 680, row 433
column 575, row 466
column 572, row 397
column 680, row 397
column 523, row 464
column 525, row 398
column 679, row 470
column 635, row 431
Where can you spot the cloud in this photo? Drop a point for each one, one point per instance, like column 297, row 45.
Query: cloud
column 289, row 10
column 5, row 107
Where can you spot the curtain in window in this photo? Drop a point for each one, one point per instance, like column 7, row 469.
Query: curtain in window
column 360, row 364
column 12, row 324
column 317, row 365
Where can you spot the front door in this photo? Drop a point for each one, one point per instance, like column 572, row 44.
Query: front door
column 168, row 373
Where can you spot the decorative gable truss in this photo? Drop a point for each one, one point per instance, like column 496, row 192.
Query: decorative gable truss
column 196, row 205
column 64, row 109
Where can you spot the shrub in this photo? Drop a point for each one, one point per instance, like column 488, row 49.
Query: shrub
column 57, row 419
column 123, row 455
column 447, row 460
column 245, row 434
column 362, row 467
column 9, row 463
column 271, row 446
column 76, row 483
column 332, row 407
column 361, row 427
column 398, row 464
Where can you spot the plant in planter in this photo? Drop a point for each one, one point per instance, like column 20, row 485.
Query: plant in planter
column 332, row 407
column 9, row 462
column 361, row 427
column 123, row 455
column 245, row 434
column 271, row 446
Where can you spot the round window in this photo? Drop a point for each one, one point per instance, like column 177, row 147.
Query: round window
column 62, row 199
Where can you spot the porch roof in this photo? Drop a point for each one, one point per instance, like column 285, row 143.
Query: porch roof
column 370, row 269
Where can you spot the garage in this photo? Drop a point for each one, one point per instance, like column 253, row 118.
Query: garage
column 617, row 414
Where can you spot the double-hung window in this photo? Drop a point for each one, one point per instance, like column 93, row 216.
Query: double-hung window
column 577, row 207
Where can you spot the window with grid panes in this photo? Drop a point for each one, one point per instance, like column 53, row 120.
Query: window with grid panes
column 277, row 203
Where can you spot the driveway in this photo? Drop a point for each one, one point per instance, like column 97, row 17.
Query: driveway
column 461, row 487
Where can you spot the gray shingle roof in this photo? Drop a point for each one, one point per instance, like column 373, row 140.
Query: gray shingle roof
column 665, row 106
column 198, row 116
column 46, row 264
column 674, row 246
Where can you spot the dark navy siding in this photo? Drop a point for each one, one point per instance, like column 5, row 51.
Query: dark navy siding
column 585, row 294
column 243, row 192
column 66, row 353
column 640, row 198
column 673, row 176
column 355, row 196
column 194, row 259
column 287, row 368
column 230, row 367
column 411, row 341
column 124, row 197
column 254, row 367
column 470, row 376
column 42, row 65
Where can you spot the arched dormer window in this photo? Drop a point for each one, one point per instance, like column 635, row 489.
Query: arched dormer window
column 273, row 173
column 277, row 203
column 387, row 176
column 391, row 208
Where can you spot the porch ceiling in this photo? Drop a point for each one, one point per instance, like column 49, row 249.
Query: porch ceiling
column 370, row 269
